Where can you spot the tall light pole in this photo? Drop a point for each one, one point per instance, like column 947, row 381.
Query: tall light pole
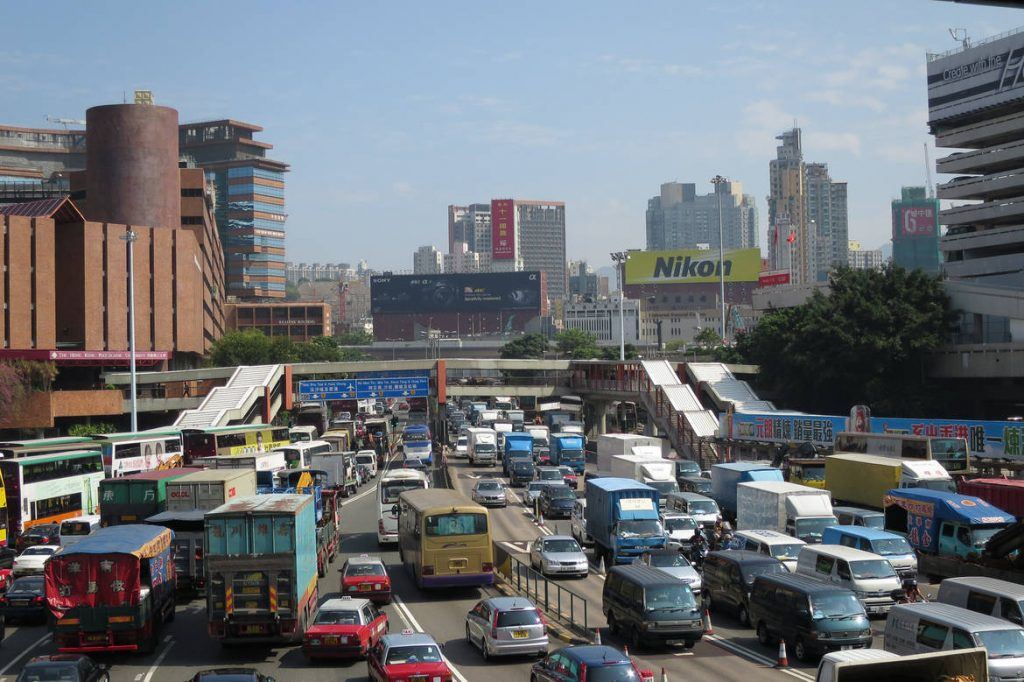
column 620, row 258
column 716, row 181
column 130, row 236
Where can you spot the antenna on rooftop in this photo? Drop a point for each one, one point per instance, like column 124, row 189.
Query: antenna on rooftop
column 65, row 121
column 960, row 36
column 928, row 173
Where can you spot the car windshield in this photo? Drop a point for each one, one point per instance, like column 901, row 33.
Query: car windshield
column 518, row 618
column 669, row 597
column 981, row 536
column 678, row 523
column 337, row 618
column 616, row 672
column 876, row 521
column 549, row 475
column 672, row 560
column 48, row 672
column 891, row 546
column 810, row 529
column 703, row 507
column 462, row 441
column 566, row 471
column 488, row 485
column 687, row 468
column 420, row 653
column 1003, row 643
column 32, row 584
column 942, row 484
column 787, row 552
column 561, row 545
column 640, row 529
column 560, row 492
column 700, row 485
column 364, row 569
column 365, row 459
column 762, row 568
column 812, row 473
column 871, row 568
column 536, row 486
column 39, row 550
column 456, row 524
column 836, row 605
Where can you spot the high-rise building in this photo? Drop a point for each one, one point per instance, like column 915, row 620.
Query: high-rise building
column 250, row 202
column 915, row 231
column 808, row 223
column 583, row 281
column 679, row 218
column 317, row 272
column 541, row 227
column 864, row 259
column 427, row 260
column 470, row 225
column 461, row 259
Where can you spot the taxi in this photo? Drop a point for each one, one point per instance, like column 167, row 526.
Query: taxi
column 344, row 628
column 365, row 576
column 415, row 657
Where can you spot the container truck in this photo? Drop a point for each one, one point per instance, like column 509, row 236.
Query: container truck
column 611, row 444
column 188, row 500
column 1002, row 492
column 878, row 665
column 325, row 499
column 797, row 510
column 622, row 519
column 726, row 477
column 130, row 499
column 863, row 480
column 517, row 446
column 261, row 569
column 483, row 446
column 265, row 464
column 112, row 590
column 647, row 468
column 567, row 450
column 340, row 469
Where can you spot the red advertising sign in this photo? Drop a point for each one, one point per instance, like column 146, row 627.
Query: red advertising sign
column 917, row 221
column 773, row 279
column 503, row 238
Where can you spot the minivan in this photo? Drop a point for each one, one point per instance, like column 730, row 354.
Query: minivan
column 694, row 484
column 855, row 516
column 894, row 548
column 813, row 618
column 729, row 575
column 700, row 507
column 73, row 530
column 926, row 627
column 646, row 605
column 992, row 597
column 868, row 575
column 783, row 547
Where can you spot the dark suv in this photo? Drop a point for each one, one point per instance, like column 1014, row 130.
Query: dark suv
column 729, row 575
column 556, row 501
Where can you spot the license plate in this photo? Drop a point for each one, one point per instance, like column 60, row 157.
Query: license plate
column 846, row 647
column 252, row 629
column 331, row 640
column 418, row 678
column 458, row 563
column 675, row 642
column 364, row 588
column 520, row 634
column 876, row 609
column 129, row 517
column 96, row 638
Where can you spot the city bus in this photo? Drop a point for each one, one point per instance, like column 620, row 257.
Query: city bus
column 51, row 488
column 951, row 453
column 392, row 484
column 444, row 540
column 13, row 449
column 241, row 439
column 132, row 453
column 297, row 455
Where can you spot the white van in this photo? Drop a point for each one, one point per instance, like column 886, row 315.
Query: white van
column 877, row 664
column 868, row 575
column 73, row 530
column 302, row 434
column 785, row 548
column 997, row 598
column 368, row 458
column 927, row 627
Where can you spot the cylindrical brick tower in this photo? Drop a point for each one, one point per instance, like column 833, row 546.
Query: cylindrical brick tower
column 132, row 165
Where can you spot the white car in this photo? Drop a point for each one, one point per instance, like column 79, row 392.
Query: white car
column 462, row 447
column 33, row 559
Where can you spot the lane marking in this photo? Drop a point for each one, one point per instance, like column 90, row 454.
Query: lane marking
column 754, row 656
column 359, row 496
column 24, row 653
column 411, row 621
column 169, row 640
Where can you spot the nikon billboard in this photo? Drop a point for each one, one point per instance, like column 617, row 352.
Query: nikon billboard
column 692, row 266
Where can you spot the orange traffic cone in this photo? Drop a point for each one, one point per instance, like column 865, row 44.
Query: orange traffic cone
column 708, row 630
column 597, row 636
column 783, row 661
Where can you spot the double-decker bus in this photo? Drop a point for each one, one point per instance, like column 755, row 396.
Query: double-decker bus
column 51, row 488
column 132, row 453
column 13, row 449
column 242, row 439
column 951, row 453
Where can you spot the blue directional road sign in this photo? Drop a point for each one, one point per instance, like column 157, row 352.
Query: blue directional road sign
column 376, row 387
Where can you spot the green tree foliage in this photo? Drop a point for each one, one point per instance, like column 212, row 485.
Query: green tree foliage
column 612, row 352
column 865, row 343
column 528, row 346
column 577, row 344
column 708, row 338
column 79, row 430
column 354, row 338
column 255, row 348
column 291, row 292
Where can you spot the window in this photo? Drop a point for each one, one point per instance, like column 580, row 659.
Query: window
column 981, row 603
column 456, row 524
column 931, row 635
column 54, row 506
column 848, row 541
column 843, row 570
column 824, row 565
column 962, row 640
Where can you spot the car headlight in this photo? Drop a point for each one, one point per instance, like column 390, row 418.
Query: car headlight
column 865, row 633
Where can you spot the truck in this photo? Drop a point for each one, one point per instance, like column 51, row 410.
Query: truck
column 956, row 535
column 483, row 446
column 541, row 442
column 340, row 468
column 1004, row 493
column 874, row 665
column 112, row 590
column 130, row 499
column 808, row 471
column 647, row 465
column 488, row 417
column 572, row 427
column 726, row 477
column 622, row 519
column 328, row 522
column 567, row 450
column 863, row 480
column 517, row 417
column 518, row 445
column 188, row 500
column 611, row 444
column 798, row 510
column 500, row 429
column 265, row 464
column 261, row 569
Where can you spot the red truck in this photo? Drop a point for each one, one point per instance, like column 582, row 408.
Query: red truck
column 1005, row 493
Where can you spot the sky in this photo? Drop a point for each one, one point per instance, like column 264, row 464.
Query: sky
column 389, row 112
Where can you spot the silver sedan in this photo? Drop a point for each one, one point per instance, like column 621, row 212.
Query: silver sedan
column 559, row 555
column 490, row 493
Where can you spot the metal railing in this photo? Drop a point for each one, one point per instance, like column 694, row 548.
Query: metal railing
column 560, row 603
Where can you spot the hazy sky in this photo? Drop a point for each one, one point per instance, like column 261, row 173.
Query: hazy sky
column 388, row 112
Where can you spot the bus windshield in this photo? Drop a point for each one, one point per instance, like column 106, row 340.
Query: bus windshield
column 456, row 524
column 390, row 491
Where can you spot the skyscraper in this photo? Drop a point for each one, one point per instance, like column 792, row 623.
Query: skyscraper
column 427, row 260
column 915, row 231
column 470, row 225
column 542, row 239
column 679, row 218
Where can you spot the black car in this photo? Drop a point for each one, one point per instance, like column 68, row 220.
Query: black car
column 729, row 576
column 556, row 501
column 572, row 663
column 71, row 667
column 694, row 484
column 230, row 675
column 44, row 534
column 25, row 598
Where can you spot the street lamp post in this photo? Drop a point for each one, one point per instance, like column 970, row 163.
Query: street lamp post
column 716, row 181
column 130, row 236
column 657, row 321
column 620, row 258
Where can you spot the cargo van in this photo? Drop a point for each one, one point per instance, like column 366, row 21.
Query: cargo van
column 785, row 548
column 927, row 627
column 646, row 605
column 855, row 516
column 700, row 507
column 989, row 596
column 893, row 547
column 868, row 575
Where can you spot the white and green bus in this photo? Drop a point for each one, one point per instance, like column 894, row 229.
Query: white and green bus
column 132, row 453
column 51, row 488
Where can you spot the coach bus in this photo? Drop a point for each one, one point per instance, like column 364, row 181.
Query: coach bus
column 51, row 488
column 132, row 453
column 951, row 453
column 242, row 439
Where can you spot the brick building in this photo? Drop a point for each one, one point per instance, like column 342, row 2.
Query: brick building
column 299, row 321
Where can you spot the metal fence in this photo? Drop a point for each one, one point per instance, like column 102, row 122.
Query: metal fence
column 561, row 603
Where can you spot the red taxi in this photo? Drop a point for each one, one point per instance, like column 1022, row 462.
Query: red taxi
column 415, row 657
column 365, row 576
column 344, row 628
column 568, row 476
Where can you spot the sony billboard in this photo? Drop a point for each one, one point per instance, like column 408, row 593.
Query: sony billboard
column 987, row 75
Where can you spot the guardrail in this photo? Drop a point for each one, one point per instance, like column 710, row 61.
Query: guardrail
column 566, row 606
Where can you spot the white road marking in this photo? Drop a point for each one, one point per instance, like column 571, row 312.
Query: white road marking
column 24, row 653
column 410, row 620
column 359, row 496
column 755, row 657
column 169, row 639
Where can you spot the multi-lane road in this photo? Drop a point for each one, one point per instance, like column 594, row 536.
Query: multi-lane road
column 731, row 654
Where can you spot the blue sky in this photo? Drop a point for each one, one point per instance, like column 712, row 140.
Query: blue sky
column 388, row 112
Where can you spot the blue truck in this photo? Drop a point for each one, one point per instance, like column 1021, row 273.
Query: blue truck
column 567, row 450
column 622, row 518
column 726, row 477
column 518, row 444
column 261, row 568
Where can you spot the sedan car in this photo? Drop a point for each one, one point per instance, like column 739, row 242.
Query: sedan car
column 532, row 491
column 569, row 476
column 506, row 626
column 679, row 529
column 676, row 565
column 408, row 656
column 365, row 576
column 25, row 598
column 556, row 501
column 549, row 474
column 344, row 628
column 559, row 555
column 489, row 493
column 461, row 447
column 33, row 559
column 43, row 534
column 71, row 667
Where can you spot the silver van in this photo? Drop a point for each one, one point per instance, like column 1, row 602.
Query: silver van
column 702, row 508
column 927, row 627
column 997, row 598
column 868, row 575
column 785, row 548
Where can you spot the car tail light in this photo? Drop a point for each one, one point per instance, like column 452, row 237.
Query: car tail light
column 39, row 599
column 3, row 600
column 427, row 570
column 494, row 626
column 583, row 672
column 488, row 567
column 199, row 553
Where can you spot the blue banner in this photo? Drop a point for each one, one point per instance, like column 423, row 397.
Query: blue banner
column 376, row 387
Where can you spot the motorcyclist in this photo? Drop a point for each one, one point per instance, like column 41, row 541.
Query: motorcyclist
column 698, row 546
column 911, row 592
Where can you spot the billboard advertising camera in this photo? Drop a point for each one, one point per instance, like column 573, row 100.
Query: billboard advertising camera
column 503, row 229
column 688, row 266
column 984, row 76
column 456, row 293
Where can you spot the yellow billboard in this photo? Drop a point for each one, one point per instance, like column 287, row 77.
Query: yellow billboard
column 691, row 266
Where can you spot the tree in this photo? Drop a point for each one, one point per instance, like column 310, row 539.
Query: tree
column 612, row 352
column 707, row 338
column 240, row 348
column 529, row 346
column 864, row 343
column 79, row 430
column 577, row 344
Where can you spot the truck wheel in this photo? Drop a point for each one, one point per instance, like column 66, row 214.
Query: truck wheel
column 762, row 634
column 800, row 650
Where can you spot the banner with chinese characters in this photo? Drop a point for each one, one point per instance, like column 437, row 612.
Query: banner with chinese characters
column 771, row 427
column 92, row 580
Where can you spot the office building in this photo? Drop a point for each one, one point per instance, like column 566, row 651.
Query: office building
column 915, row 231
column 583, row 281
column 315, row 272
column 44, row 152
column 864, row 259
column 470, row 225
column 329, row 292
column 300, row 321
column 541, row 228
column 828, row 217
column 679, row 218
column 601, row 318
column 461, row 259
column 250, row 206
column 427, row 261
column 356, row 306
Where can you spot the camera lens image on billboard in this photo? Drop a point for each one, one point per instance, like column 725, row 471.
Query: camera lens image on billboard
column 470, row 292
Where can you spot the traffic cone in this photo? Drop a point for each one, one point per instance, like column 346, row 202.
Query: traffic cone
column 597, row 636
column 664, row 675
column 540, row 519
column 708, row 630
column 783, row 661
column 600, row 565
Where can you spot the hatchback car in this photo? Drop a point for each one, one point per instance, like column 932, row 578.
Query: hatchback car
column 676, row 565
column 569, row 476
column 408, row 656
column 33, row 559
column 72, row 667
column 344, row 628
column 587, row 662
column 25, row 598
column 44, row 534
column 502, row 626
column 532, row 492
column 556, row 501
column 490, row 493
column 366, row 576
column 559, row 555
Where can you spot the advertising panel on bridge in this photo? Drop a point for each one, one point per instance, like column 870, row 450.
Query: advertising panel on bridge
column 463, row 293
column 988, row 75
column 688, row 266
column 503, row 229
